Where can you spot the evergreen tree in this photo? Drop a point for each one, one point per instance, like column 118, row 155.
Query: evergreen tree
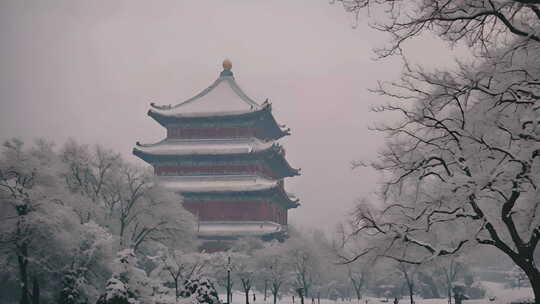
column 70, row 294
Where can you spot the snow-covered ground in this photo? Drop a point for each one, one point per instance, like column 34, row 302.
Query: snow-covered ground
column 494, row 290
column 504, row 295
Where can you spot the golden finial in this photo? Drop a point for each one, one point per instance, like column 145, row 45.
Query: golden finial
column 227, row 65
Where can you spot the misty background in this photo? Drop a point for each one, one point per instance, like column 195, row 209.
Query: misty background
column 88, row 70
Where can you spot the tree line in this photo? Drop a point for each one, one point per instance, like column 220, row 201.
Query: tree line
column 80, row 224
column 67, row 211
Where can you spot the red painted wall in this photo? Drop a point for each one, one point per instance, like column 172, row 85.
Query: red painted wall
column 222, row 132
column 237, row 211
column 208, row 132
column 253, row 168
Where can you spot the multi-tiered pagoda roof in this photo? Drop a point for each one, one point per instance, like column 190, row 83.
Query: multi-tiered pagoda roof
column 221, row 155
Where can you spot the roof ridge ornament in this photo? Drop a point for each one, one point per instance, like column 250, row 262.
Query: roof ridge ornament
column 227, row 66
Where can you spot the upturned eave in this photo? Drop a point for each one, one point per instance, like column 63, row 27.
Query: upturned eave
column 273, row 154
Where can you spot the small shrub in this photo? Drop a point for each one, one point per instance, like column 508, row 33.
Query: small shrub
column 201, row 291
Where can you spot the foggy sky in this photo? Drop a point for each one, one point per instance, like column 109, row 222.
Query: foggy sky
column 89, row 70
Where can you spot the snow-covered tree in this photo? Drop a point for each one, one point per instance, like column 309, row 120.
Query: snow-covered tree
column 83, row 276
column 142, row 211
column 177, row 267
column 125, row 198
column 245, row 270
column 275, row 264
column 450, row 268
column 357, row 275
column 200, row 291
column 219, row 263
column 88, row 169
column 461, row 165
column 128, row 284
column 247, row 245
column 38, row 228
column 305, row 261
column 485, row 25
column 358, row 262
column 408, row 274
column 69, row 289
column 53, row 241
column 90, row 261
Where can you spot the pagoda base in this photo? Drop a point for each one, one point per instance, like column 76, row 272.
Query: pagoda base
column 233, row 230
column 223, row 235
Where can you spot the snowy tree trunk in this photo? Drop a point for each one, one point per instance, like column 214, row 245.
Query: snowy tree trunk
column 176, row 289
column 410, row 286
column 265, row 289
column 22, row 259
column 301, row 295
column 275, row 291
column 357, row 285
column 411, row 293
column 121, row 236
column 35, row 291
column 246, row 285
column 524, row 259
column 358, row 294
column 534, row 277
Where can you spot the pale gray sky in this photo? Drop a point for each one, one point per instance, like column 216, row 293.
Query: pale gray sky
column 89, row 69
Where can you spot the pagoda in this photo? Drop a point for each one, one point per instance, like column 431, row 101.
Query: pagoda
column 221, row 154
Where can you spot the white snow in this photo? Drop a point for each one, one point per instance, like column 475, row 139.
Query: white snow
column 497, row 291
column 223, row 97
column 205, row 146
column 215, row 183
column 247, row 228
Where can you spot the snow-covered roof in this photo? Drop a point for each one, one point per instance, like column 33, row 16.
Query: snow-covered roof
column 211, row 184
column 224, row 102
column 204, row 146
column 215, row 149
column 238, row 229
column 216, row 183
column 223, row 97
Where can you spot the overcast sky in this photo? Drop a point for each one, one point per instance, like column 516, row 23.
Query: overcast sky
column 89, row 69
